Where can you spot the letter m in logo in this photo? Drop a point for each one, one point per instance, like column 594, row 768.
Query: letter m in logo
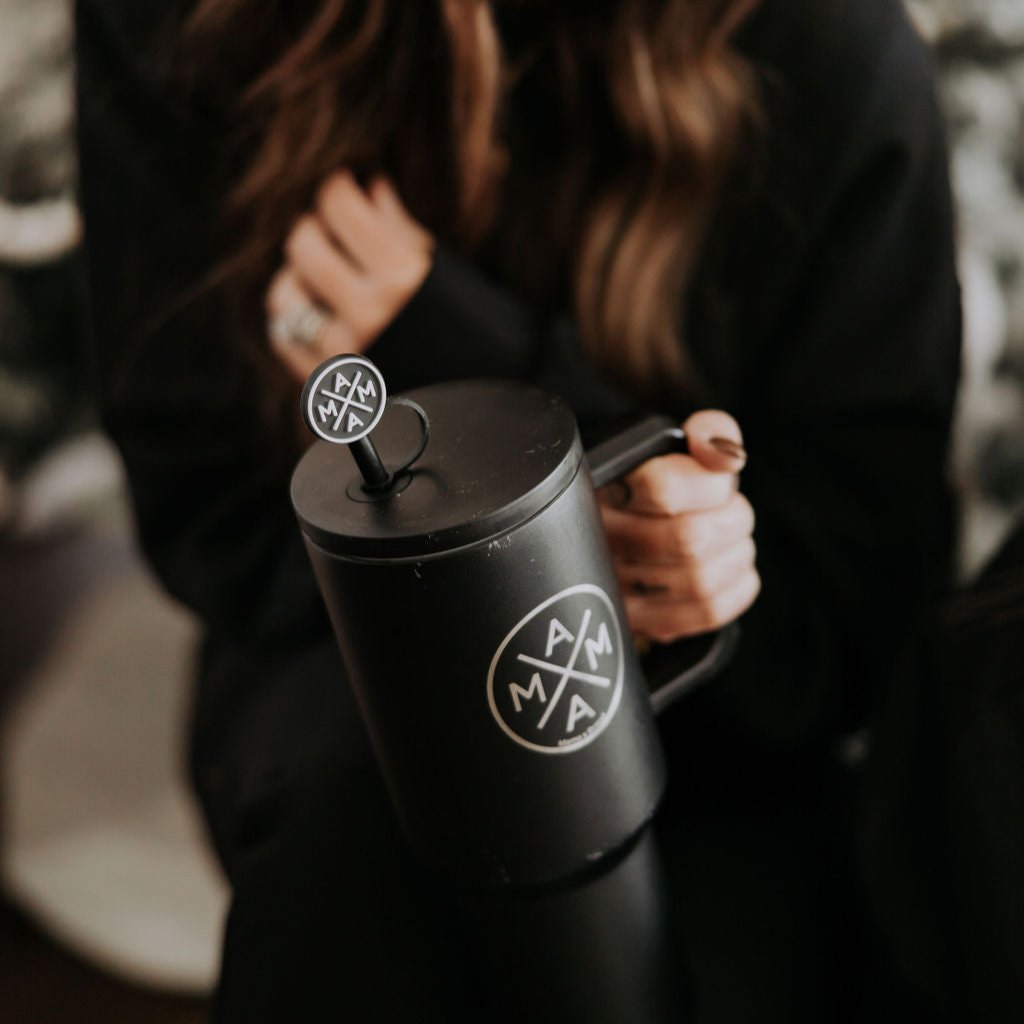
column 329, row 411
column 602, row 645
column 519, row 694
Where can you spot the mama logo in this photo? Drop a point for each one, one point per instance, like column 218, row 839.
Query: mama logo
column 344, row 399
column 556, row 679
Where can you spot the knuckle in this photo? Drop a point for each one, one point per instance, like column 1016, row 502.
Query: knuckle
column 299, row 237
column 746, row 511
column 647, row 486
column 702, row 584
column 331, row 199
column 755, row 588
column 656, row 494
column 724, row 607
column 748, row 552
column 718, row 609
column 687, row 541
column 662, row 482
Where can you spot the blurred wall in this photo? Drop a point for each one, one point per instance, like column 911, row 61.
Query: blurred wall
column 42, row 335
column 979, row 48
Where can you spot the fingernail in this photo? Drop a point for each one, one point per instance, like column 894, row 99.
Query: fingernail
column 731, row 448
column 617, row 494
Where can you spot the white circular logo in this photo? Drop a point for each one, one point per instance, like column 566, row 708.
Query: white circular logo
column 344, row 399
column 556, row 680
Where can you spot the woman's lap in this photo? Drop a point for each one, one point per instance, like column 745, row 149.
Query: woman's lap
column 332, row 918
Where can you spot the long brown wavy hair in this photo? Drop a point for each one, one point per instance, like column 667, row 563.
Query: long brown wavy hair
column 640, row 107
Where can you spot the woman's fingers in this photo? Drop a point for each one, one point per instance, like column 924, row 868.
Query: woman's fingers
column 697, row 581
column 354, row 256
column 664, row 622
column 669, row 485
column 321, row 266
column 285, row 292
column 681, row 534
column 674, row 540
column 355, row 223
column 673, row 484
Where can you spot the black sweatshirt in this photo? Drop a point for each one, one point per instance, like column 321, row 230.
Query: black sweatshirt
column 825, row 313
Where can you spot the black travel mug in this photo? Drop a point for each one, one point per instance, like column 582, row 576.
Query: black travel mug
column 475, row 603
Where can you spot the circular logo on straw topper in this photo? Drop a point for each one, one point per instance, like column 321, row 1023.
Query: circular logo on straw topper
column 556, row 680
column 344, row 399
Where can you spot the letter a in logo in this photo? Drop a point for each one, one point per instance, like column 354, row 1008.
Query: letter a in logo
column 578, row 709
column 557, row 633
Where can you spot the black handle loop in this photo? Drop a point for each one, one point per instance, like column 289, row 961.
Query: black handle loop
column 424, row 432
column 713, row 662
column 658, row 435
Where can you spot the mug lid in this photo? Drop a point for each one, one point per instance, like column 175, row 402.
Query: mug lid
column 499, row 452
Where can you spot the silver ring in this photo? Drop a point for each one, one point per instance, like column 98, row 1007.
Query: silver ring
column 302, row 325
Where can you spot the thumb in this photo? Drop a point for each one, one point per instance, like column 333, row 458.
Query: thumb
column 716, row 441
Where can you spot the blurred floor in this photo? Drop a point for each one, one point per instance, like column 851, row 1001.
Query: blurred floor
column 41, row 983
column 103, row 866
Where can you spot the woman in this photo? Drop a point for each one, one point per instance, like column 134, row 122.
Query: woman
column 675, row 205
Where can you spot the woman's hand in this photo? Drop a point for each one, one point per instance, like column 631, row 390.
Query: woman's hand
column 681, row 535
column 359, row 256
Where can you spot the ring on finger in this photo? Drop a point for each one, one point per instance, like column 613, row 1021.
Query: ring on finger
column 302, row 325
column 644, row 588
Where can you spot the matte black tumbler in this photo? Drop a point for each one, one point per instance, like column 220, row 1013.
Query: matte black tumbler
column 479, row 616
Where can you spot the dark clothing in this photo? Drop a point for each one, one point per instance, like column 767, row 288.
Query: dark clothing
column 825, row 317
column 942, row 836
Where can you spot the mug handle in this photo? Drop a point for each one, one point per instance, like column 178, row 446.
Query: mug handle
column 614, row 458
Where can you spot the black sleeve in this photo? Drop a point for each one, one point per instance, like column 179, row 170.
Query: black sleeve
column 461, row 325
column 838, row 291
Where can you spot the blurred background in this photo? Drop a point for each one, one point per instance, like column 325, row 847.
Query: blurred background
column 110, row 906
